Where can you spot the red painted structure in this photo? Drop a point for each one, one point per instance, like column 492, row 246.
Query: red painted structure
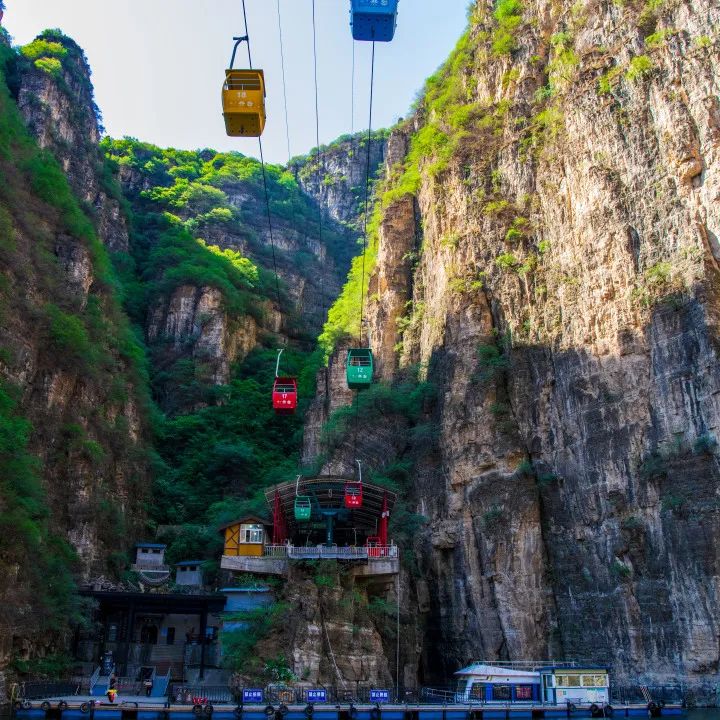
column 353, row 495
column 285, row 395
column 280, row 532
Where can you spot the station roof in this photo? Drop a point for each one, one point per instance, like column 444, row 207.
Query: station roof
column 246, row 519
column 327, row 492
column 159, row 546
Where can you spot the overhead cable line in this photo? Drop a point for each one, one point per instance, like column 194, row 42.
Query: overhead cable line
column 319, row 158
column 264, row 174
column 282, row 65
column 367, row 196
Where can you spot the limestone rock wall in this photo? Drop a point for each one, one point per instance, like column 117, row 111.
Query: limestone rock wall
column 61, row 113
column 563, row 298
column 337, row 179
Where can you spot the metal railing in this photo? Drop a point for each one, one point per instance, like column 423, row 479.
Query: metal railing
column 192, row 694
column 94, row 678
column 149, row 567
column 38, row 690
column 528, row 664
column 632, row 695
column 336, row 552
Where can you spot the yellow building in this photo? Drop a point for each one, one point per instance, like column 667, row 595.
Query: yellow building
column 246, row 537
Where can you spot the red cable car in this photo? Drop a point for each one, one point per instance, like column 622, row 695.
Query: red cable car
column 353, row 495
column 285, row 396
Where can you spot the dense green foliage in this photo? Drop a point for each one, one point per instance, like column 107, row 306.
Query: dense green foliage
column 214, row 463
column 95, row 340
column 247, row 629
column 218, row 447
column 25, row 534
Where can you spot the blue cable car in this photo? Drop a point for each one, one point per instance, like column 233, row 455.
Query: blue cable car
column 373, row 20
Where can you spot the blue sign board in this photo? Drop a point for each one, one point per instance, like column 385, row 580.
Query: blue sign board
column 252, row 696
column 379, row 696
column 316, row 696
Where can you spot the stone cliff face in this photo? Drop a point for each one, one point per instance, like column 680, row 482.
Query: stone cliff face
column 60, row 112
column 337, row 630
column 336, row 179
column 67, row 363
column 548, row 256
column 219, row 198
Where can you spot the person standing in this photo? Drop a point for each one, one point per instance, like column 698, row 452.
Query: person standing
column 112, row 687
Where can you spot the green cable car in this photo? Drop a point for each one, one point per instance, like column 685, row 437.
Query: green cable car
column 303, row 508
column 359, row 367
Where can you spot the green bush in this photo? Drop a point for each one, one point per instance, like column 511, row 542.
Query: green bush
column 41, row 47
column 508, row 14
column 640, row 66
column 52, row 66
column 492, row 362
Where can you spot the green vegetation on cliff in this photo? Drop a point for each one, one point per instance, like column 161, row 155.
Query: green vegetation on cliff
column 90, row 341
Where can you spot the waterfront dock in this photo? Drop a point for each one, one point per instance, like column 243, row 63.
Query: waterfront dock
column 75, row 707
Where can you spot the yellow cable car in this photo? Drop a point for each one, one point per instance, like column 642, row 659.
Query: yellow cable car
column 243, row 99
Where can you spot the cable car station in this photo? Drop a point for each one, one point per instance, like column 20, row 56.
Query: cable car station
column 320, row 518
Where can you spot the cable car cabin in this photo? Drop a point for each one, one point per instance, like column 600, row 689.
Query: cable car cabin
column 359, row 368
column 303, row 508
column 353, row 495
column 373, row 20
column 285, row 395
column 243, row 100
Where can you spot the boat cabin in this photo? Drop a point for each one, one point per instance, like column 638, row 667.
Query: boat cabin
column 246, row 537
column 532, row 682
column 486, row 683
column 577, row 685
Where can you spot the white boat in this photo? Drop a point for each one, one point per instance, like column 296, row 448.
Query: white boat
column 531, row 682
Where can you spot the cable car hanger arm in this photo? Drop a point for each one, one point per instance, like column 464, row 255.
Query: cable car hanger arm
column 238, row 42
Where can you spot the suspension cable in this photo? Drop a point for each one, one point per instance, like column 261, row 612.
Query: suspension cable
column 264, row 174
column 365, row 240
column 319, row 157
column 352, row 92
column 367, row 197
column 282, row 65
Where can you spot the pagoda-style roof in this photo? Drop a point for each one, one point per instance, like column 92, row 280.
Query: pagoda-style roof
column 327, row 492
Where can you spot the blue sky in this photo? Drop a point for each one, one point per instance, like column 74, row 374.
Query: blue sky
column 158, row 64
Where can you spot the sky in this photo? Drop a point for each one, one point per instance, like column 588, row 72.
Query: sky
column 158, row 65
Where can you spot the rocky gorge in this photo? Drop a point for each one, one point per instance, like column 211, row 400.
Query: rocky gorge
column 546, row 258
column 540, row 289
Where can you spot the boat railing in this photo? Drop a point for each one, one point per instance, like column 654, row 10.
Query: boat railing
column 36, row 690
column 528, row 664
